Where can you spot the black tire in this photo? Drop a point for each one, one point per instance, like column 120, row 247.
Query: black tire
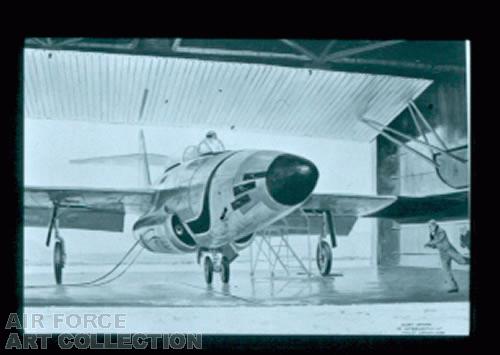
column 324, row 258
column 209, row 270
column 225, row 271
column 58, row 262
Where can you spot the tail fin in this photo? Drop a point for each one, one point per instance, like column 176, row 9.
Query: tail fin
column 143, row 163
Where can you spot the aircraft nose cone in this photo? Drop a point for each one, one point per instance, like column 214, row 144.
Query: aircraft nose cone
column 290, row 179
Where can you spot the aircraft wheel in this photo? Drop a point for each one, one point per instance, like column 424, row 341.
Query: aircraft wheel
column 209, row 270
column 58, row 262
column 324, row 258
column 224, row 275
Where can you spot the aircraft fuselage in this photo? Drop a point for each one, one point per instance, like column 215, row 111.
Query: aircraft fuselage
column 223, row 198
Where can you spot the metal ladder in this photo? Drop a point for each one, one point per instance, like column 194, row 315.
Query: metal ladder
column 272, row 246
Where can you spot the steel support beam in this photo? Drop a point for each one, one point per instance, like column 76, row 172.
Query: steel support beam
column 420, row 130
column 176, row 44
column 326, row 50
column 362, row 49
column 237, row 53
column 429, row 127
column 300, row 49
column 405, row 136
column 400, row 144
column 431, row 69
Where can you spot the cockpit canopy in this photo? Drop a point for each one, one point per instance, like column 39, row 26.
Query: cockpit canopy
column 192, row 152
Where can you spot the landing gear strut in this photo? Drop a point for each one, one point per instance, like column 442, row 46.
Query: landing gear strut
column 59, row 251
column 324, row 253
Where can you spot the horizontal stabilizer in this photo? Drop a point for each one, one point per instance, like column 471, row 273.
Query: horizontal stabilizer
column 127, row 159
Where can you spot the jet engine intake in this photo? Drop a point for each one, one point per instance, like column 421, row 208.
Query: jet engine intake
column 164, row 233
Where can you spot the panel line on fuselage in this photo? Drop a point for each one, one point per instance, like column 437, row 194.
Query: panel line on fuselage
column 201, row 224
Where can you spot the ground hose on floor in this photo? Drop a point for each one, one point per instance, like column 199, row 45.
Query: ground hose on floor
column 101, row 280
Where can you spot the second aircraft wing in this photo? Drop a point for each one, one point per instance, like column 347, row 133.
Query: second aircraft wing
column 84, row 208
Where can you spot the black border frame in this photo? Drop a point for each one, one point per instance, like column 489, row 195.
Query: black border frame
column 12, row 248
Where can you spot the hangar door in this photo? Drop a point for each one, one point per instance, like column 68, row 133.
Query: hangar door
column 414, row 236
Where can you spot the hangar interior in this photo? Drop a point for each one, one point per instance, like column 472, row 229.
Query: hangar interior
column 297, row 96
column 88, row 97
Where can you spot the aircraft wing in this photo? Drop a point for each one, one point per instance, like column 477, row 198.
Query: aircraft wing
column 85, row 208
column 348, row 204
column 342, row 209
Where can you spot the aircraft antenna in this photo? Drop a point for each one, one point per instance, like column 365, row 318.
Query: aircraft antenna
column 144, row 164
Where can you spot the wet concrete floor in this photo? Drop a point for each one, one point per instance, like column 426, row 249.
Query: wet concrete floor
column 185, row 287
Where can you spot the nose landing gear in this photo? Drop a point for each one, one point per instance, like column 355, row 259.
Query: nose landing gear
column 214, row 261
column 209, row 270
column 224, row 273
column 217, row 264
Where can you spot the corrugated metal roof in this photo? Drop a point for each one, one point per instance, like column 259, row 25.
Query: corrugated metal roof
column 145, row 90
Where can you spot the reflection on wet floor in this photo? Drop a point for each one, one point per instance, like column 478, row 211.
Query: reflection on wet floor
column 187, row 288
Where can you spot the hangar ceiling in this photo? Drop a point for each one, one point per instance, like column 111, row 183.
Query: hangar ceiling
column 275, row 86
column 150, row 90
column 421, row 59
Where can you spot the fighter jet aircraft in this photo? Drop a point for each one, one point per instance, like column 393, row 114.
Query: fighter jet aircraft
column 210, row 205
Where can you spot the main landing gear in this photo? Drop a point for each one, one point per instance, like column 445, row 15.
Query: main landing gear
column 214, row 261
column 324, row 255
column 59, row 250
column 59, row 260
column 324, row 258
